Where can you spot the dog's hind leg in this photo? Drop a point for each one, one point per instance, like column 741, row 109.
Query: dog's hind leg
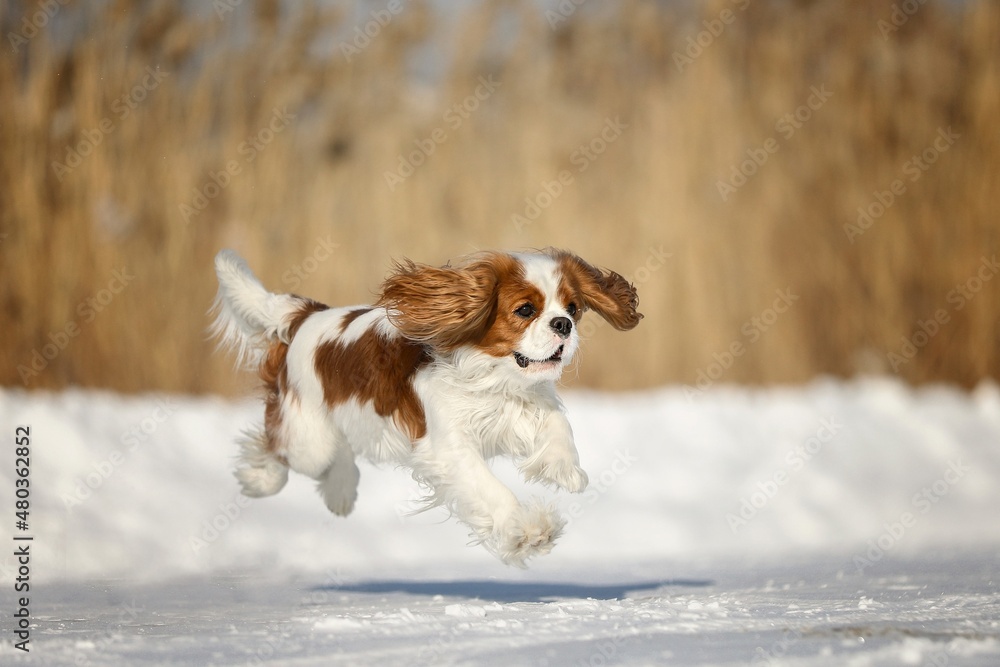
column 259, row 471
column 339, row 484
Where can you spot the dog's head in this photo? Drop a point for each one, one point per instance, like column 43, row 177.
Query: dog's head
column 522, row 310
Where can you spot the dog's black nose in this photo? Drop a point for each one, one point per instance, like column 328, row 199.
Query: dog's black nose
column 562, row 326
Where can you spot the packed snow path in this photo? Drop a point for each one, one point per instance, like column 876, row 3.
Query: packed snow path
column 834, row 523
column 932, row 612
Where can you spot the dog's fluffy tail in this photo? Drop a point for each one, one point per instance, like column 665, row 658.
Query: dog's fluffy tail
column 248, row 318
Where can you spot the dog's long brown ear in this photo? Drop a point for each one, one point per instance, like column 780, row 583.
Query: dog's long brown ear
column 444, row 307
column 606, row 292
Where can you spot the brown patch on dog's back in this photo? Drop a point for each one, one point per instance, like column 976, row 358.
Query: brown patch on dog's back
column 351, row 316
column 379, row 370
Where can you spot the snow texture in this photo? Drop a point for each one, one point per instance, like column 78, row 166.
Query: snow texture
column 838, row 523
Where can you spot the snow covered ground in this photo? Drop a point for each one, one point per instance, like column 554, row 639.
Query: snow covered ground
column 837, row 523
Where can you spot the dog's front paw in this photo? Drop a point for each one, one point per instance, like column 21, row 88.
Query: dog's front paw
column 530, row 531
column 563, row 474
column 568, row 476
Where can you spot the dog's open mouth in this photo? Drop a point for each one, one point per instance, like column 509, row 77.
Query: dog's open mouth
column 524, row 361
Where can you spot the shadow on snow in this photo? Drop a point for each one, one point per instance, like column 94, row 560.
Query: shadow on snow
column 513, row 591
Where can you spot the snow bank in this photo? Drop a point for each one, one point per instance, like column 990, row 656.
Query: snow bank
column 140, row 487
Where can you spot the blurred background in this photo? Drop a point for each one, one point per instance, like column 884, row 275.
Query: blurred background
column 796, row 188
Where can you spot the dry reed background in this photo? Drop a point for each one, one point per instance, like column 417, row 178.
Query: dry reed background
column 321, row 178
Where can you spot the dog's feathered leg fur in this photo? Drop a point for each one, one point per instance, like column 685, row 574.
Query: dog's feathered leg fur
column 248, row 319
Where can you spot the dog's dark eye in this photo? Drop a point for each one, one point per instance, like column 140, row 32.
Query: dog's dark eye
column 526, row 310
column 571, row 309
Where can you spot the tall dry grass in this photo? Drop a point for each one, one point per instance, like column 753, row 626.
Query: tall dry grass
column 337, row 126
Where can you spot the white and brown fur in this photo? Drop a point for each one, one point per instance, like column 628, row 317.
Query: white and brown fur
column 450, row 367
